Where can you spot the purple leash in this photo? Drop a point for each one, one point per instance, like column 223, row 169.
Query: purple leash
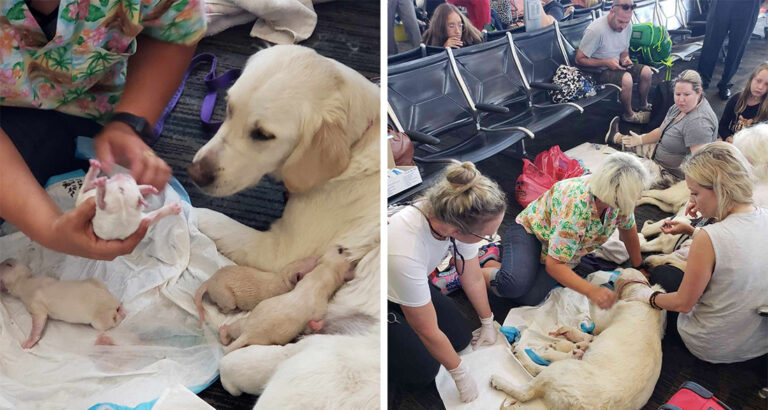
column 212, row 83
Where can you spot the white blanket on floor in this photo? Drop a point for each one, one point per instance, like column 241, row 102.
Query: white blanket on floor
column 158, row 344
column 279, row 21
column 561, row 307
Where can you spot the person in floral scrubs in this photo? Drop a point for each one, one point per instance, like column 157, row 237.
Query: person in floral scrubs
column 65, row 68
column 572, row 219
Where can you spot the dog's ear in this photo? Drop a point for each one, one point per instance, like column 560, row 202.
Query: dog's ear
column 318, row 158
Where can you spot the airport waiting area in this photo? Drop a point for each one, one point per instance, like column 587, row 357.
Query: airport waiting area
column 502, row 97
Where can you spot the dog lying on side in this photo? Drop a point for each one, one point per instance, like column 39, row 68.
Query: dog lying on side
column 618, row 371
column 241, row 287
column 82, row 301
column 280, row 319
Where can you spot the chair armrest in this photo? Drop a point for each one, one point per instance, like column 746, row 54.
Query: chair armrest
column 546, row 86
column 491, row 108
column 680, row 32
column 763, row 311
column 422, row 137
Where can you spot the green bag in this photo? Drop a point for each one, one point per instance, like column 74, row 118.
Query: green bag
column 651, row 45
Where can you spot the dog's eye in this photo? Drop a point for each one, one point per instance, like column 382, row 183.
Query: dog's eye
column 260, row 136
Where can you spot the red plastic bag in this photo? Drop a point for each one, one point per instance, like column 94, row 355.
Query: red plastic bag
column 538, row 176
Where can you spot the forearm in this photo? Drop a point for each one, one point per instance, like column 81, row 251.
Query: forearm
column 593, row 62
column 632, row 243
column 568, row 278
column 439, row 347
column 675, row 302
column 154, row 74
column 23, row 202
column 624, row 54
column 474, row 286
column 652, row 137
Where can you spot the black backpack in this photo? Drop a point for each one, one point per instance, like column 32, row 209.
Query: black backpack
column 662, row 97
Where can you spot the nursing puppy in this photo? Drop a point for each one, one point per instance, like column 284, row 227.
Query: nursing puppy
column 241, row 287
column 82, row 301
column 280, row 319
column 119, row 202
column 606, row 377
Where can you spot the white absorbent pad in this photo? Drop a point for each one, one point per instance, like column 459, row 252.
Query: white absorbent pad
column 484, row 362
column 562, row 307
column 590, row 155
column 159, row 343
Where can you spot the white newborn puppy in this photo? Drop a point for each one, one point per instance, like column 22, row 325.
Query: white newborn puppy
column 73, row 301
column 119, row 201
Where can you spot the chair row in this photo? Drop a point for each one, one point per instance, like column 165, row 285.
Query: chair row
column 476, row 101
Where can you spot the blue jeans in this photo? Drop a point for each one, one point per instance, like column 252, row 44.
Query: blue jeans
column 522, row 277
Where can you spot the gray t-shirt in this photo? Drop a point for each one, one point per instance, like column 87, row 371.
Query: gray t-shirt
column 697, row 127
column 724, row 327
column 601, row 41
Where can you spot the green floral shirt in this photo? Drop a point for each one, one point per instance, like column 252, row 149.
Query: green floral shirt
column 81, row 71
column 566, row 221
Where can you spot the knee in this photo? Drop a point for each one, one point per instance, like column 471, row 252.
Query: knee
column 646, row 74
column 626, row 81
column 507, row 285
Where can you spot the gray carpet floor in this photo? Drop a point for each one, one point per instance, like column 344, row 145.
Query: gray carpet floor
column 735, row 384
column 347, row 31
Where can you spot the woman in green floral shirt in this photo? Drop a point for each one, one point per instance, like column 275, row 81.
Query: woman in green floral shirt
column 65, row 69
column 573, row 218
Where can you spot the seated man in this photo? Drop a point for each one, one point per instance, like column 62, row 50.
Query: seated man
column 605, row 45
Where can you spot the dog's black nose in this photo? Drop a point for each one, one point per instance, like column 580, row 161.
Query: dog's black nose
column 201, row 172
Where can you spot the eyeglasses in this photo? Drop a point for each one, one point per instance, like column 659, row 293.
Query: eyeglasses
column 488, row 238
column 453, row 26
column 626, row 7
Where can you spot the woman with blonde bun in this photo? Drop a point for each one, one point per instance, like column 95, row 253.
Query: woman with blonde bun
column 726, row 278
column 426, row 328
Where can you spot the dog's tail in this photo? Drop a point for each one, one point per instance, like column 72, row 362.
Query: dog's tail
column 199, row 302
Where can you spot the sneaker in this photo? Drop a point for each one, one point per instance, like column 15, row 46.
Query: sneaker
column 640, row 117
column 447, row 281
column 613, row 136
column 489, row 252
column 647, row 107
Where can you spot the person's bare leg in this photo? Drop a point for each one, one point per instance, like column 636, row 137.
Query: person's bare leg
column 645, row 85
column 626, row 94
column 488, row 268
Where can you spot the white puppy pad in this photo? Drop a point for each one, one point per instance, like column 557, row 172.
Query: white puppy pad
column 179, row 397
column 590, row 154
column 483, row 362
column 158, row 344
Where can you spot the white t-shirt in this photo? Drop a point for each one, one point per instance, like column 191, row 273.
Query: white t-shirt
column 413, row 254
column 603, row 42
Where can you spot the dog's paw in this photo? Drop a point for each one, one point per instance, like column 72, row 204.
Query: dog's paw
column 232, row 238
column 577, row 354
column 584, row 345
column 224, row 335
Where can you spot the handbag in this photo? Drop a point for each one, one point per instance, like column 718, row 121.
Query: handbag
column 402, row 147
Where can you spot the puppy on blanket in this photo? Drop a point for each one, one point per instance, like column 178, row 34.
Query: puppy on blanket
column 243, row 287
column 280, row 319
column 606, row 377
column 82, row 301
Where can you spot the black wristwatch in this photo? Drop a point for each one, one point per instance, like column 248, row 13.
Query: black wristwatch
column 139, row 125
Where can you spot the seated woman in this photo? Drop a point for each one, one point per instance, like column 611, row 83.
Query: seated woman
column 572, row 219
column 449, row 28
column 426, row 328
column 689, row 125
column 747, row 107
column 725, row 280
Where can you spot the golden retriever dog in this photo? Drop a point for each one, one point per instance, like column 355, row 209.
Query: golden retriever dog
column 606, row 377
column 314, row 124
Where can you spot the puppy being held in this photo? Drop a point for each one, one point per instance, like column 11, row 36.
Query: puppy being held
column 242, row 287
column 280, row 319
column 73, row 301
column 119, row 203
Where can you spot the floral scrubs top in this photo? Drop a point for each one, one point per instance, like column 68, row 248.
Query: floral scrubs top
column 566, row 221
column 81, row 71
